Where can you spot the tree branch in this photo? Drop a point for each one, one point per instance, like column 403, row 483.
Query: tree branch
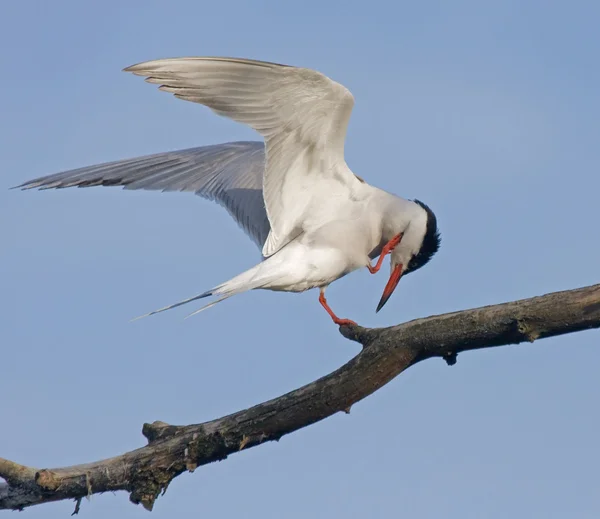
column 171, row 450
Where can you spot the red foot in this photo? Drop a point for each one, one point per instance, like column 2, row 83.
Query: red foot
column 344, row 322
column 336, row 319
column 387, row 248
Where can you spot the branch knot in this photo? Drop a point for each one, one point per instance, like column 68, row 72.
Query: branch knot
column 47, row 480
column 158, row 430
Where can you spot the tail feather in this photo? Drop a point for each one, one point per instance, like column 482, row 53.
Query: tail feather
column 256, row 277
column 175, row 305
column 206, row 307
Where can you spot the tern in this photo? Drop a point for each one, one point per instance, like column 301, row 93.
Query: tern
column 293, row 193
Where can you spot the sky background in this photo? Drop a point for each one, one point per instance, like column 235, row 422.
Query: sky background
column 487, row 111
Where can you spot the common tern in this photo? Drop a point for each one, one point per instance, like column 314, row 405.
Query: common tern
column 293, row 194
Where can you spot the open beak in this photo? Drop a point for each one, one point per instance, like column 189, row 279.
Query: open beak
column 391, row 286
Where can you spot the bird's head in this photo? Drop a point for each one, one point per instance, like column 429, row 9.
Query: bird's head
column 420, row 241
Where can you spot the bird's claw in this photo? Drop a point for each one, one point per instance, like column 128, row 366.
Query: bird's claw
column 387, row 248
column 345, row 322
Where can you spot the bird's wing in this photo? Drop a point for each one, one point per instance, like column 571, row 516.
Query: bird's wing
column 230, row 174
column 301, row 114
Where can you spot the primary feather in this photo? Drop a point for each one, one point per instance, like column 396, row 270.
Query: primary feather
column 230, row 174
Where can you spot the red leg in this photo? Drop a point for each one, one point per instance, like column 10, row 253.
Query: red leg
column 335, row 318
column 387, row 248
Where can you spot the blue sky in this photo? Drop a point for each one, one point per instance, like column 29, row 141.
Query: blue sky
column 487, row 111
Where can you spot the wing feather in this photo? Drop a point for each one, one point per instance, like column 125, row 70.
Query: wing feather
column 230, row 174
column 301, row 114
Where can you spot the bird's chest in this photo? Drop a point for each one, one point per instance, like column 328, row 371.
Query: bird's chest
column 350, row 227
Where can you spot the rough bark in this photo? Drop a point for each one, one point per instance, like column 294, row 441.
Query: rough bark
column 171, row 450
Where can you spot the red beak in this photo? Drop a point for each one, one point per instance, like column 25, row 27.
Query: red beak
column 391, row 286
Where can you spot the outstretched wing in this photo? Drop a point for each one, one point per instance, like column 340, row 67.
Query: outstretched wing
column 230, row 174
column 301, row 114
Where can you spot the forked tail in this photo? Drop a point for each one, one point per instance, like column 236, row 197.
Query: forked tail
column 249, row 280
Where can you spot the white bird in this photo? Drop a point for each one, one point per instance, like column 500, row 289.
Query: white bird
column 314, row 219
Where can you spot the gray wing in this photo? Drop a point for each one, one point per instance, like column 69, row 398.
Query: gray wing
column 230, row 174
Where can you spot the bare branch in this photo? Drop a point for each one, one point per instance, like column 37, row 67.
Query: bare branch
column 171, row 450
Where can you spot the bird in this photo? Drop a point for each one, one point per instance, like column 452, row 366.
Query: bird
column 313, row 219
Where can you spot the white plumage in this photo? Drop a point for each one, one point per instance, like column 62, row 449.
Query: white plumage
column 314, row 220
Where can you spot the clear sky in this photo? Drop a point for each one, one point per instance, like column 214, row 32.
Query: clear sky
column 487, row 111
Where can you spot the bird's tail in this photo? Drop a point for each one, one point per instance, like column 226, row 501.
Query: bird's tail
column 249, row 280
